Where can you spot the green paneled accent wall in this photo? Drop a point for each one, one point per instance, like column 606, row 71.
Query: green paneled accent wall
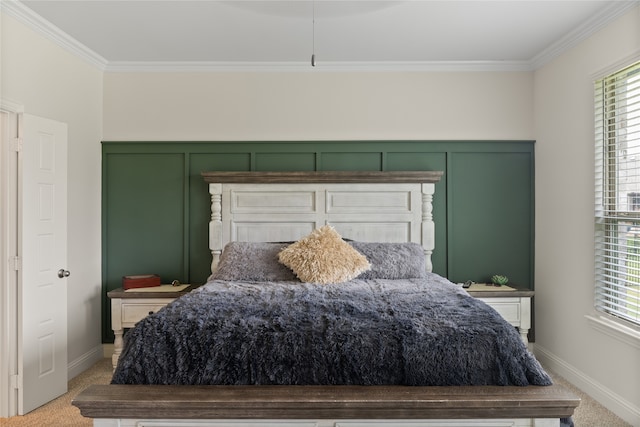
column 490, row 216
column 156, row 207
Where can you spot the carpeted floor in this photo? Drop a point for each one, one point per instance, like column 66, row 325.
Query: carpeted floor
column 60, row 412
column 590, row 413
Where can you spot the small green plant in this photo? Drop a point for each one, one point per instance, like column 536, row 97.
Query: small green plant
column 499, row 280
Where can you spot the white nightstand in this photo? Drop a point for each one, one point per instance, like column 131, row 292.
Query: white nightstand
column 513, row 305
column 129, row 307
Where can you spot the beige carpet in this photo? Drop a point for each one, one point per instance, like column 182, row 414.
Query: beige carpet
column 60, row 412
column 590, row 413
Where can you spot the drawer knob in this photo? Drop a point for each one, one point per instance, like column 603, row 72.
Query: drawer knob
column 151, row 312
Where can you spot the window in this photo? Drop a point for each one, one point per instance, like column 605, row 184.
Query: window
column 617, row 99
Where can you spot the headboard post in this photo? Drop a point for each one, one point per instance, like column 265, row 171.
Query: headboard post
column 428, row 226
column 215, row 225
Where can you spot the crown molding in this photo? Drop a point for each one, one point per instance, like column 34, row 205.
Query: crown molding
column 582, row 32
column 408, row 66
column 22, row 13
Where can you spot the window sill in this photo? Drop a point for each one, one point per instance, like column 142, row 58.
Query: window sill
column 615, row 329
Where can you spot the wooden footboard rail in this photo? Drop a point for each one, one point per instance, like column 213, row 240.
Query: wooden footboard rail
column 324, row 402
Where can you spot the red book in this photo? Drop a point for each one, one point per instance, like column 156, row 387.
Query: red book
column 140, row 281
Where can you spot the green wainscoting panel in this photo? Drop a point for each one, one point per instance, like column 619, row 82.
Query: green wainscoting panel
column 285, row 162
column 490, row 207
column 156, row 206
column 144, row 216
column 352, row 161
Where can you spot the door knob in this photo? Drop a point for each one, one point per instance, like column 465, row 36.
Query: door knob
column 62, row 273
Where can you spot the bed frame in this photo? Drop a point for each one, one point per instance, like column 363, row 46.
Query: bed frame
column 285, row 206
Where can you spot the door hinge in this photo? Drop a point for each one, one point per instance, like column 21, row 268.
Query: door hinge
column 16, row 144
column 15, row 263
column 15, row 381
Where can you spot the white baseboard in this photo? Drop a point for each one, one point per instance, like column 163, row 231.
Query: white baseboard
column 84, row 362
column 605, row 396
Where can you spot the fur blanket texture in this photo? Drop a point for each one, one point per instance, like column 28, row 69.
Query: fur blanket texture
column 425, row 331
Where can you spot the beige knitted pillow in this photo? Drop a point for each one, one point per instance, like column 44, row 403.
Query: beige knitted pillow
column 323, row 257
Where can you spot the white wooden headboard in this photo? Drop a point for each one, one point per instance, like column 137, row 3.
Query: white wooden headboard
column 285, row 206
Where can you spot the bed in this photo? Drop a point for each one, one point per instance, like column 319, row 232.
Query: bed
column 322, row 310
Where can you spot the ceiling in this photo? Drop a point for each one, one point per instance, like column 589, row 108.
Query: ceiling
column 475, row 34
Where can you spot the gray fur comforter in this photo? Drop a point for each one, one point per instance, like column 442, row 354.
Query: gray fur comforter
column 402, row 332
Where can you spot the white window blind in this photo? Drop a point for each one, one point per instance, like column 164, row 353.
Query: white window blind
column 617, row 129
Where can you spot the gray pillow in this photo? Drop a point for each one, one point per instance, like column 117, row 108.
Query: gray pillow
column 392, row 260
column 253, row 261
column 258, row 261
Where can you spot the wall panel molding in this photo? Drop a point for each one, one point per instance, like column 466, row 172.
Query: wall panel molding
column 156, row 206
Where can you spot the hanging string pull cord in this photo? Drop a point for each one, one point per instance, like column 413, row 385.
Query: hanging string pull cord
column 313, row 34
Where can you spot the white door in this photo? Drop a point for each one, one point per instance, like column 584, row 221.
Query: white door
column 42, row 294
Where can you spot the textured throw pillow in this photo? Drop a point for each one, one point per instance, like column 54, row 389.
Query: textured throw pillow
column 256, row 262
column 323, row 257
column 393, row 260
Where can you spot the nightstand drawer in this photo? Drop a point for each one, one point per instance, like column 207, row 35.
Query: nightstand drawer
column 509, row 310
column 133, row 313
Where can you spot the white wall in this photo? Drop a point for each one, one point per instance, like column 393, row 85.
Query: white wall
column 606, row 367
column 317, row 105
column 50, row 82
